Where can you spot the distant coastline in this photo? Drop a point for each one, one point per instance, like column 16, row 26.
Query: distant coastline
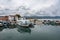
column 42, row 17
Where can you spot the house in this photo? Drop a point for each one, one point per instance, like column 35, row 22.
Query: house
column 4, row 18
column 10, row 17
column 13, row 17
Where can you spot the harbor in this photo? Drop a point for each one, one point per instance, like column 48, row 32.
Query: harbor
column 27, row 22
column 15, row 27
column 29, row 19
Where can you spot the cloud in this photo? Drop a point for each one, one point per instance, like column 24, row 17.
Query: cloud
column 33, row 4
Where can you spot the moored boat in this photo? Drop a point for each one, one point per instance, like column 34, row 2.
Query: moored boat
column 24, row 22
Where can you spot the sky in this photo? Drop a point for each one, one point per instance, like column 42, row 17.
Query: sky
column 32, row 4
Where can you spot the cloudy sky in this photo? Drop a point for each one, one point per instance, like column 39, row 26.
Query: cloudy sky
column 32, row 4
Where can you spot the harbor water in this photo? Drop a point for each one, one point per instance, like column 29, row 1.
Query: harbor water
column 38, row 32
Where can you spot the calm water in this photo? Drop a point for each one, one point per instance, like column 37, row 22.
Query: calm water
column 39, row 32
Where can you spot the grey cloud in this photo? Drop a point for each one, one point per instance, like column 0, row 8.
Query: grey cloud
column 51, row 11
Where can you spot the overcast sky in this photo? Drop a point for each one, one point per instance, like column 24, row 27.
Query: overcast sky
column 33, row 4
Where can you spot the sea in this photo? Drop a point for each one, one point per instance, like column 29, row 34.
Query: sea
column 37, row 32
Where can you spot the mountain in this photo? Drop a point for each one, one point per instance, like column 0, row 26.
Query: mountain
column 42, row 17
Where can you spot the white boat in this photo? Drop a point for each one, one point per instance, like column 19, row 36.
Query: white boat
column 24, row 22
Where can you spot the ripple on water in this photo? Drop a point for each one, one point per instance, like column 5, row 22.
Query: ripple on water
column 39, row 32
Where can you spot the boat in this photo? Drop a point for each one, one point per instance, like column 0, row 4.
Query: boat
column 1, row 24
column 51, row 22
column 4, row 24
column 24, row 22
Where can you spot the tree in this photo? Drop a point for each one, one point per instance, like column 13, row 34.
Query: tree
column 18, row 15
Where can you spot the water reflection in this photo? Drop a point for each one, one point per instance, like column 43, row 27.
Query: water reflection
column 24, row 30
column 10, row 27
column 1, row 28
column 19, row 28
column 39, row 32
